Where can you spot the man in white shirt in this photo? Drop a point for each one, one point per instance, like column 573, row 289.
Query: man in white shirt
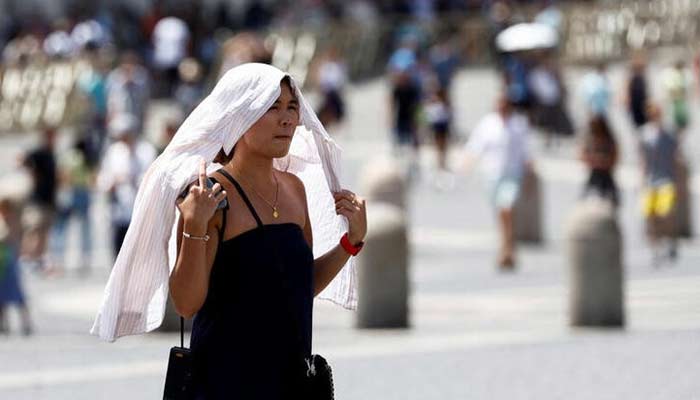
column 499, row 143
column 125, row 162
column 170, row 40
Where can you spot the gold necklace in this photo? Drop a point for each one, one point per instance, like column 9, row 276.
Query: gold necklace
column 275, row 212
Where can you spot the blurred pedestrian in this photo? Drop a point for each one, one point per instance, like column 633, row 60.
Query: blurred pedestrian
column 659, row 153
column 439, row 117
column 125, row 162
column 331, row 78
column 190, row 88
column 600, row 154
column 264, row 230
column 171, row 37
column 128, row 90
column 404, row 105
column 41, row 210
column 499, row 143
column 92, row 85
column 75, row 177
column 437, row 104
column 637, row 92
column 549, row 111
column 11, row 291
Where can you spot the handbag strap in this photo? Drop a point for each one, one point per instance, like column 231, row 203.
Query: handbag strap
column 182, row 332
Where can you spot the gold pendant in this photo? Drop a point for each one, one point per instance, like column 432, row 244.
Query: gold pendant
column 275, row 214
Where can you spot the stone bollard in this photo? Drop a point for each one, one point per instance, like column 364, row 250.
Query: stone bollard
column 527, row 223
column 171, row 319
column 684, row 216
column 596, row 285
column 383, row 180
column 382, row 270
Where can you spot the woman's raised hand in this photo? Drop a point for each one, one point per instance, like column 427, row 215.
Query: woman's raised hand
column 199, row 206
column 353, row 208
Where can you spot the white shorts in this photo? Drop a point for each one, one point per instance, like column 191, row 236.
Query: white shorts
column 505, row 192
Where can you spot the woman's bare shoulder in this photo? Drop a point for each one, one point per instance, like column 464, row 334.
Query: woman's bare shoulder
column 292, row 179
column 296, row 184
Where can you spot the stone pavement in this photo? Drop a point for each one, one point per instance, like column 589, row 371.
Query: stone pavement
column 475, row 333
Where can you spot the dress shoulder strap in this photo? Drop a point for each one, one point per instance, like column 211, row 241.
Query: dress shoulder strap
column 243, row 195
column 223, row 222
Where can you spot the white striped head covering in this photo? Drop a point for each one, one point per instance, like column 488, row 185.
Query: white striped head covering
column 136, row 293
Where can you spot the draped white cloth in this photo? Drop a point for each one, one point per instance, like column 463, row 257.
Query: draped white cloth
column 136, row 293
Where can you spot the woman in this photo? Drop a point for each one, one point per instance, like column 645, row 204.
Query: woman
column 217, row 279
column 438, row 115
column 246, row 270
column 599, row 153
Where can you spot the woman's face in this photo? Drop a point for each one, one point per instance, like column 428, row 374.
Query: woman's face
column 272, row 134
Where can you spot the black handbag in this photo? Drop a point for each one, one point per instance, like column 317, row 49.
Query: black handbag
column 319, row 379
column 316, row 374
column 178, row 380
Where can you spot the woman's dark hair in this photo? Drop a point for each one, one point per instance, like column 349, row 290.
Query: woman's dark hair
column 288, row 80
column 223, row 158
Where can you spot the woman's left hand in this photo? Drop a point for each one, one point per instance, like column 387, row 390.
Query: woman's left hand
column 353, row 208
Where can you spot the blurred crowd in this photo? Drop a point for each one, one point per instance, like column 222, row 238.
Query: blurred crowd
column 130, row 55
column 534, row 98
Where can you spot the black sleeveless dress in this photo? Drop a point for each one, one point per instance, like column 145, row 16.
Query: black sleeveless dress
column 250, row 336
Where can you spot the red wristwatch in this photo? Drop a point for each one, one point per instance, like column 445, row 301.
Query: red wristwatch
column 352, row 250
